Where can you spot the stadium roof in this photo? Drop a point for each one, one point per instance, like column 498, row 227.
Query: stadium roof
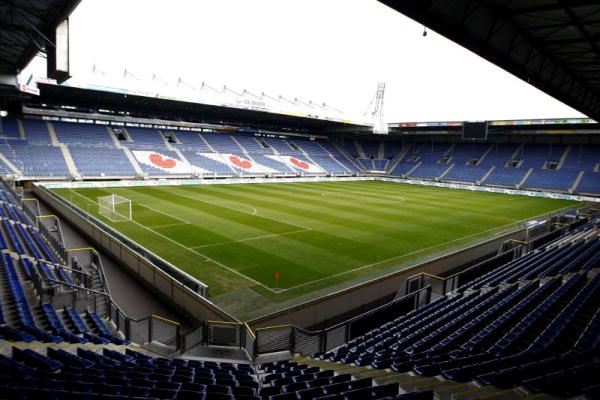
column 25, row 27
column 59, row 95
column 552, row 44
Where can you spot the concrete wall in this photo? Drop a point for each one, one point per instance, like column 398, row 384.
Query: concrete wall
column 188, row 302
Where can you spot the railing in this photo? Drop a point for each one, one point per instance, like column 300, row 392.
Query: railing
column 146, row 331
column 160, row 264
column 297, row 340
column 60, row 293
column 249, row 341
column 55, row 240
column 192, row 338
column 31, row 214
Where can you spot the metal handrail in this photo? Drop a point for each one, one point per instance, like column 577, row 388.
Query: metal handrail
column 178, row 275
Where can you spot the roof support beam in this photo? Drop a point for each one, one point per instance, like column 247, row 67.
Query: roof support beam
column 581, row 28
column 490, row 29
column 548, row 7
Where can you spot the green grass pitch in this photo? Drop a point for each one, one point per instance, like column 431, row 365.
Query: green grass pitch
column 319, row 237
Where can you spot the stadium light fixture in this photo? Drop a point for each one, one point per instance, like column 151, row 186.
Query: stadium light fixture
column 3, row 113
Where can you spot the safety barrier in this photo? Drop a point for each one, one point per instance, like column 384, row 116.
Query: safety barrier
column 175, row 286
column 292, row 339
column 52, row 236
column 145, row 331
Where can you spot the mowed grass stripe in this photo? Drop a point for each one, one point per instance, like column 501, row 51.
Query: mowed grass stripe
column 197, row 234
column 245, row 259
column 318, row 218
column 248, row 250
column 459, row 204
column 482, row 201
column 212, row 223
column 326, row 246
column 365, row 218
column 352, row 228
column 219, row 279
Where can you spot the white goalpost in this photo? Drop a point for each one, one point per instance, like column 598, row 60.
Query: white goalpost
column 115, row 208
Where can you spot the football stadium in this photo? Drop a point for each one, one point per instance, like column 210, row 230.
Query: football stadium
column 194, row 243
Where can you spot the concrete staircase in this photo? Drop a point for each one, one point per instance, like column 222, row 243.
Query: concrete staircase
column 577, row 180
column 487, row 174
column 207, row 144
column 133, row 161
column 446, row 171
column 96, row 283
column 520, row 184
column 10, row 164
column 359, row 149
column 393, row 163
column 113, row 136
column 241, row 147
column 348, row 157
column 52, row 133
column 413, row 168
column 69, row 160
column 564, row 157
column 484, row 155
column 515, row 154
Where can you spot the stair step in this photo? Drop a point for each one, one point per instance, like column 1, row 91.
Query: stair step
column 411, row 385
column 445, row 389
column 475, row 393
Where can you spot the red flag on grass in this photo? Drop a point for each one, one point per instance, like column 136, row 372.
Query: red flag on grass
column 277, row 275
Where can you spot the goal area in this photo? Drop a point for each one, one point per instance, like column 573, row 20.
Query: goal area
column 115, row 208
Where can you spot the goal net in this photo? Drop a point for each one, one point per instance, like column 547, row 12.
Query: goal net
column 114, row 208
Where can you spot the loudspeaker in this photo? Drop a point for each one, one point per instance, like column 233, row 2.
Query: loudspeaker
column 58, row 55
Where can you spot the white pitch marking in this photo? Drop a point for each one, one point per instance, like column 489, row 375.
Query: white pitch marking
column 409, row 254
column 167, row 225
column 258, row 215
column 219, row 203
column 252, row 238
column 161, row 212
column 208, row 259
column 374, row 200
column 194, row 251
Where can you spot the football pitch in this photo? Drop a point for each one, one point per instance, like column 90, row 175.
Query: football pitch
column 314, row 237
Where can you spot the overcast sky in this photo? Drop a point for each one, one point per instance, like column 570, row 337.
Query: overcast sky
column 332, row 51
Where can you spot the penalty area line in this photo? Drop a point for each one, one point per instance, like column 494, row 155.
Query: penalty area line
column 252, row 238
column 206, row 258
column 417, row 251
column 167, row 225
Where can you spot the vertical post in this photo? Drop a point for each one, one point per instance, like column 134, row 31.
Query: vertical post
column 292, row 340
column 347, row 332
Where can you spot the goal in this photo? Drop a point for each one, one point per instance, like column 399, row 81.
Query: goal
column 114, row 208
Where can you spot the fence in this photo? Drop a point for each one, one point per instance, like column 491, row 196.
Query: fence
column 174, row 286
column 146, row 331
column 53, row 237
column 188, row 281
column 297, row 340
column 220, row 333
